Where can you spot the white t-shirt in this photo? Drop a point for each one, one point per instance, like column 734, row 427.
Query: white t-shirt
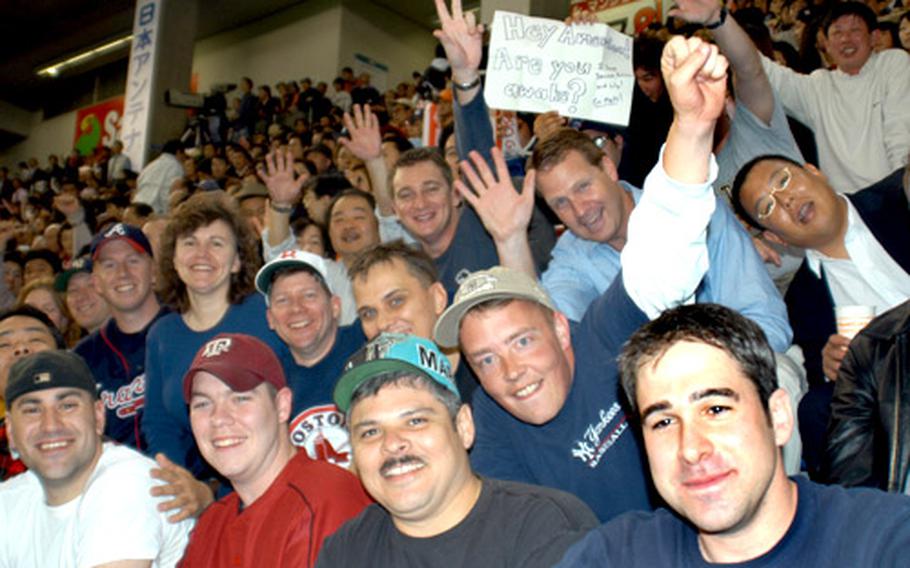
column 113, row 519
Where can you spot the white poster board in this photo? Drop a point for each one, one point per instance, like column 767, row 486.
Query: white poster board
column 537, row 65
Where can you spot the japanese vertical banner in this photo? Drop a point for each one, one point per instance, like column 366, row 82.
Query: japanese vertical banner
column 139, row 80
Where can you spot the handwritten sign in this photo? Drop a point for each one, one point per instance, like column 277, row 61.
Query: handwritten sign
column 582, row 71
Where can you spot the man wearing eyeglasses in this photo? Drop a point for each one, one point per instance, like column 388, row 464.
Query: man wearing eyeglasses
column 857, row 253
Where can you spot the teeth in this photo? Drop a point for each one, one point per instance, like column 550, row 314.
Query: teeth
column 52, row 445
column 528, row 390
column 403, row 469
column 124, row 288
column 299, row 324
column 226, row 442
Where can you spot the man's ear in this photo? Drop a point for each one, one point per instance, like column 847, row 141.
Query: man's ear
column 464, row 425
column 283, row 403
column 607, row 165
column 440, row 297
column 781, row 413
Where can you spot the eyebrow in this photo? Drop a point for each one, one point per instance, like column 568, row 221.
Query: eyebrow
column 696, row 396
column 26, row 399
column 29, row 329
column 507, row 340
column 405, row 414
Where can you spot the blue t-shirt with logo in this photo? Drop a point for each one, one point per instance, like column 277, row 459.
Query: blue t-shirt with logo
column 590, row 448
column 317, row 425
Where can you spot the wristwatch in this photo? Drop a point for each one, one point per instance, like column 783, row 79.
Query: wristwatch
column 466, row 86
column 720, row 21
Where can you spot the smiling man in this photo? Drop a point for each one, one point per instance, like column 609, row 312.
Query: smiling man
column 397, row 290
column 82, row 502
column 284, row 503
column 89, row 310
column 859, row 110
column 429, row 208
column 303, row 310
column 411, row 435
column 703, row 383
column 550, row 411
column 123, row 275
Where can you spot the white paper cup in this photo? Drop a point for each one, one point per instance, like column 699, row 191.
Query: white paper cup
column 851, row 319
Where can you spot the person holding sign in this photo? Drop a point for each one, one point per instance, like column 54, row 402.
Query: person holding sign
column 550, row 411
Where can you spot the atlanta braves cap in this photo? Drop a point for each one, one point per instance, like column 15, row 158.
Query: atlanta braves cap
column 121, row 231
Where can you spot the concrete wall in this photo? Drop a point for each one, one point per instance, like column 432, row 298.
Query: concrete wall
column 313, row 39
column 53, row 136
column 302, row 41
column 385, row 37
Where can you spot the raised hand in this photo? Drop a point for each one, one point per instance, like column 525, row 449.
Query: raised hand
column 364, row 139
column 505, row 212
column 548, row 124
column 695, row 74
column 278, row 176
column 462, row 38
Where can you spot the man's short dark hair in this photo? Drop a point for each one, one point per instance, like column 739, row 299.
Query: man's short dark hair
column 321, row 149
column 418, row 263
column 646, row 52
column 27, row 311
column 43, row 254
column 740, row 179
column 294, row 269
column 416, row 156
column 326, row 185
column 838, row 10
column 710, row 324
column 349, row 192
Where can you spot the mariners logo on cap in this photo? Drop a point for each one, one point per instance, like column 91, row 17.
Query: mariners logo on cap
column 217, row 347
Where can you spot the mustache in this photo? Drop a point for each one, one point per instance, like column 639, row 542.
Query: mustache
column 399, row 461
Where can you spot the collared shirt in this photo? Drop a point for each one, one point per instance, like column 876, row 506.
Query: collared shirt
column 870, row 277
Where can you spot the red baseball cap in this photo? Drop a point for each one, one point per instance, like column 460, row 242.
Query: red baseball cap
column 240, row 361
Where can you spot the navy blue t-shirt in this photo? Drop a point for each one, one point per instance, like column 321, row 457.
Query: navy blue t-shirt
column 589, row 448
column 833, row 526
column 317, row 425
column 117, row 360
column 472, row 249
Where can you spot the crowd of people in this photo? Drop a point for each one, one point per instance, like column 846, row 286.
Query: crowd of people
column 312, row 337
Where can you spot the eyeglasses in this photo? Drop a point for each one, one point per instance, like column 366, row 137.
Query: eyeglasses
column 765, row 206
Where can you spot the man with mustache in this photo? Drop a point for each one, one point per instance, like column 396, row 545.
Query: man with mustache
column 411, row 433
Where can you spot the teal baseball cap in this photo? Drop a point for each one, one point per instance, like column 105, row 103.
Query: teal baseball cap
column 391, row 353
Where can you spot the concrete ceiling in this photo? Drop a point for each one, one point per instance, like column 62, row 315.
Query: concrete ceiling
column 34, row 33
